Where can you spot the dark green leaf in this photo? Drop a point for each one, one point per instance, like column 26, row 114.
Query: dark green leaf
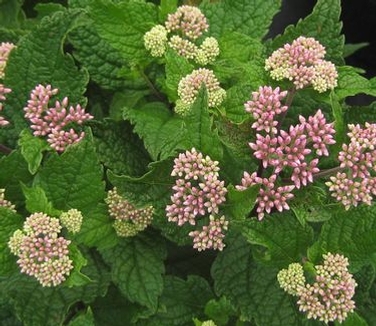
column 84, row 319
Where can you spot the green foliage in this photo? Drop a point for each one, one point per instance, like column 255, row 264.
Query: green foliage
column 93, row 51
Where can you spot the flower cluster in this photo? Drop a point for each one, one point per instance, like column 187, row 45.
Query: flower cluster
column 54, row 122
column 329, row 298
column 5, row 49
column 41, row 252
column 4, row 202
column 302, row 62
column 198, row 192
column 72, row 220
column 356, row 182
column 190, row 85
column 289, row 151
column 129, row 220
column 186, row 25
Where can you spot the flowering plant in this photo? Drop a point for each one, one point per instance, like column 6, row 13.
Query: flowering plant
column 170, row 164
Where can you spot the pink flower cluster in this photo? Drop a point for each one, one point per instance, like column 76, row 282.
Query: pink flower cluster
column 290, row 151
column 188, row 23
column 356, row 182
column 4, row 202
column 41, row 252
column 5, row 49
column 54, row 122
column 198, row 192
column 329, row 298
column 129, row 220
column 303, row 63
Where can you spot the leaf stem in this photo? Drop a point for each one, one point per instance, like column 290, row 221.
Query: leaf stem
column 4, row 149
column 150, row 85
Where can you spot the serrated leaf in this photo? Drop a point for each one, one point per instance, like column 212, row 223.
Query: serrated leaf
column 353, row 320
column 84, row 319
column 284, row 237
column 119, row 149
column 76, row 277
column 324, row 25
column 32, row 149
column 9, row 222
column 219, row 310
column 250, row 287
column 36, row 201
column 10, row 13
column 74, row 178
column 339, row 123
column 351, row 233
column 123, row 26
column 97, row 230
column 351, row 48
column 153, row 188
column 36, row 61
column 137, row 268
column 351, row 83
column 181, row 300
column 250, row 17
column 240, row 203
column 166, row 7
column 162, row 131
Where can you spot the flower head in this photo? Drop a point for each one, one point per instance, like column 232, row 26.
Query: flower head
column 5, row 49
column 302, row 62
column 3, row 90
column 207, row 52
column 54, row 122
column 190, row 85
column 188, row 20
column 292, row 279
column 129, row 220
column 41, row 252
column 155, row 40
column 183, row 47
column 329, row 298
column 72, row 220
column 4, row 202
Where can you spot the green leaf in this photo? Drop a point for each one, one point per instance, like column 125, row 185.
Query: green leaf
column 285, row 239
column 137, row 268
column 351, row 233
column 353, row 320
column 9, row 222
column 324, row 25
column 219, row 310
column 97, row 230
column 250, row 17
column 73, row 179
column 351, row 48
column 339, row 123
column 14, row 170
column 37, row 201
column 10, row 13
column 32, row 149
column 351, row 83
column 251, row 288
column 83, row 319
column 76, row 277
column 36, row 61
column 167, row 7
column 240, row 203
column 162, row 131
column 153, row 188
column 181, row 300
column 123, row 26
column 119, row 149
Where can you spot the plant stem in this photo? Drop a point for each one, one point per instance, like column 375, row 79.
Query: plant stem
column 150, row 84
column 4, row 149
column 328, row 172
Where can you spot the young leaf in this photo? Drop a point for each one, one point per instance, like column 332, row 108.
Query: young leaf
column 250, row 17
column 324, row 25
column 32, row 149
column 284, row 237
column 73, row 179
column 137, row 268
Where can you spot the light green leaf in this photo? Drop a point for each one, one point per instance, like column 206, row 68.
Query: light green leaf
column 9, row 222
column 84, row 319
column 324, row 25
column 181, row 300
column 76, row 277
column 250, row 17
column 284, row 237
column 353, row 320
column 137, row 268
column 73, row 179
column 32, row 149
column 123, row 26
column 36, row 61
column 167, row 7
column 350, row 83
column 36, row 201
column 351, row 233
